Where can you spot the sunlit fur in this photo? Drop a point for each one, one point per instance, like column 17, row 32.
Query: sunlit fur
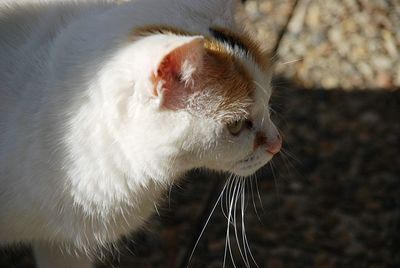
column 90, row 131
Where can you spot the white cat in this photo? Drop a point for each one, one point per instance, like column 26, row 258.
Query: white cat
column 103, row 106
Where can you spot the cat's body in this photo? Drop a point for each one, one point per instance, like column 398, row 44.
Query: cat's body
column 92, row 130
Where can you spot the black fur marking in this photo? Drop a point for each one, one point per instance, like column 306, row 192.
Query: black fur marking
column 228, row 39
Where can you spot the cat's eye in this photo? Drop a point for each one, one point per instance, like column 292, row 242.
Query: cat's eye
column 236, row 127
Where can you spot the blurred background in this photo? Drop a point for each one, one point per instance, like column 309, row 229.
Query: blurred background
column 331, row 198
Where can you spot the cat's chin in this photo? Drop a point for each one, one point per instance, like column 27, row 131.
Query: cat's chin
column 249, row 165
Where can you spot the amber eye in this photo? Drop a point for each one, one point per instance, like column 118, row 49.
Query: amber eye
column 236, row 127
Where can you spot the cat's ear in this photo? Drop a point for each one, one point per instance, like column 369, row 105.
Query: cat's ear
column 174, row 77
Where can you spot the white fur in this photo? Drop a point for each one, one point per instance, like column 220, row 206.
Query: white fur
column 85, row 148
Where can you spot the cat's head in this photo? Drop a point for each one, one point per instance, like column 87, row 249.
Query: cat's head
column 198, row 101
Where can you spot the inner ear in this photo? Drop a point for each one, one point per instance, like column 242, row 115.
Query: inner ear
column 174, row 78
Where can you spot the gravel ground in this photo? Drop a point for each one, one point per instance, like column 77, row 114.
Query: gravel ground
column 335, row 198
column 351, row 44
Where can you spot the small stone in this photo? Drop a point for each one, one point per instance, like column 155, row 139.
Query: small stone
column 370, row 31
column 397, row 75
column 275, row 263
column 364, row 136
column 335, row 35
column 384, row 80
column 266, row 6
column 310, row 236
column 349, row 25
column 216, row 246
column 297, row 22
column 252, row 9
column 360, row 53
column 365, row 69
column 352, row 5
column 354, row 248
column 299, row 49
column 344, row 238
column 313, row 16
column 215, row 264
column 344, row 48
column 330, row 82
column 373, row 205
column 296, row 186
column 370, row 118
column 323, row 261
column 356, row 80
column 381, row 62
column 390, row 44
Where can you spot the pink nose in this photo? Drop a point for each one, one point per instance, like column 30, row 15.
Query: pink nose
column 274, row 146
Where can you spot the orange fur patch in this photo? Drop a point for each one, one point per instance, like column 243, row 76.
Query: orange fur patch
column 155, row 80
column 227, row 79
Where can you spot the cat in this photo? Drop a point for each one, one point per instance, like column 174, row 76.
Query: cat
column 103, row 106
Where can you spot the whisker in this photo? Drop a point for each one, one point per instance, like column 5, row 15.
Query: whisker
column 289, row 163
column 228, row 196
column 274, row 57
column 272, row 110
column 242, row 209
column 291, row 61
column 238, row 195
column 169, row 195
column 258, row 194
column 174, row 159
column 276, row 183
column 286, row 162
column 265, row 90
column 227, row 239
column 252, row 196
column 291, row 155
column 206, row 223
column 245, row 240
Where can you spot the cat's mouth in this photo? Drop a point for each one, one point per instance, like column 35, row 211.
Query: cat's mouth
column 251, row 163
